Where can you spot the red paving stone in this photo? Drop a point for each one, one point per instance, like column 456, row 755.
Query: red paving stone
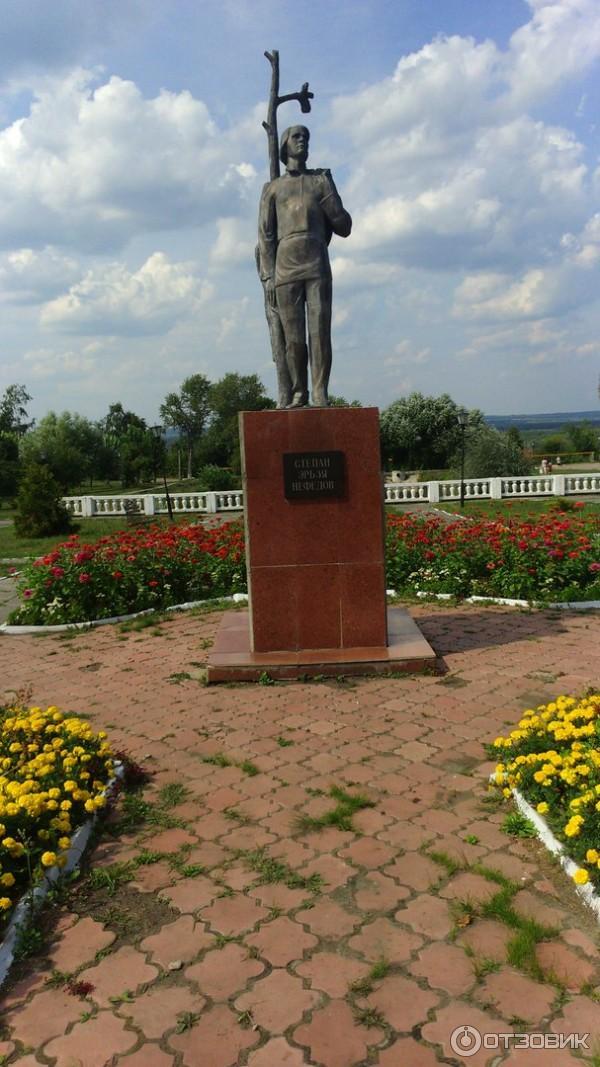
column 281, row 957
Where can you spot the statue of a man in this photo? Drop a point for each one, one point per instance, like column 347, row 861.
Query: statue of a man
column 298, row 214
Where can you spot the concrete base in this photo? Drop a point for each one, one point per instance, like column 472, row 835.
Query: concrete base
column 232, row 660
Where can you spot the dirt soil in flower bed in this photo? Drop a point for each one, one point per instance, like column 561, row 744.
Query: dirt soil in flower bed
column 295, row 944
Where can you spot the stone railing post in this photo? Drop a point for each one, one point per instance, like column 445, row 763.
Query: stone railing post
column 211, row 503
column 149, row 504
column 433, row 492
column 558, row 485
column 496, row 488
column 88, row 506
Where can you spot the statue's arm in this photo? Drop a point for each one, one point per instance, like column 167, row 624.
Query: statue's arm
column 331, row 202
column 267, row 233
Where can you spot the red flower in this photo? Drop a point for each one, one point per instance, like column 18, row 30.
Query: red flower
column 152, row 582
column 594, row 568
column 117, row 574
column 57, row 572
column 83, row 578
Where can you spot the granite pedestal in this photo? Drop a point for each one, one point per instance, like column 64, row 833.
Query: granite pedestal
column 313, row 508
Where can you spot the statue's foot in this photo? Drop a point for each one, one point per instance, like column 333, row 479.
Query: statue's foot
column 299, row 401
column 320, row 400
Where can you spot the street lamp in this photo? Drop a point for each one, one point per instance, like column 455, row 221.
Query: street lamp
column 462, row 418
column 158, row 432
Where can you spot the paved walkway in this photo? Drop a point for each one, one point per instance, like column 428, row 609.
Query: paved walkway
column 251, row 940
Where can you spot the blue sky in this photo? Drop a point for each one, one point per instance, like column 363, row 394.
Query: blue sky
column 464, row 140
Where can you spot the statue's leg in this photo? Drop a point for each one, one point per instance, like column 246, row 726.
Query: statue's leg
column 284, row 382
column 318, row 309
column 290, row 304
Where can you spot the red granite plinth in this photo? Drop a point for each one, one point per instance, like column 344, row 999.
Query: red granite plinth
column 316, row 574
column 232, row 660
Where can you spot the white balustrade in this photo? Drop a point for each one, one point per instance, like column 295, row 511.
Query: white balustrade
column 231, row 500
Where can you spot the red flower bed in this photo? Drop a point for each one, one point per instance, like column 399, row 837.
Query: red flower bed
column 553, row 557
column 132, row 570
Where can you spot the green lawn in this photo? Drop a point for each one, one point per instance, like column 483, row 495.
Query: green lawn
column 516, row 509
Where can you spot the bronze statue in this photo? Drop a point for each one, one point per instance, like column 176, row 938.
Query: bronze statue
column 298, row 214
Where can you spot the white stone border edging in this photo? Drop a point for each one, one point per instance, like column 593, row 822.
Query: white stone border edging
column 32, row 899
column 62, row 627
column 566, row 605
column 588, row 894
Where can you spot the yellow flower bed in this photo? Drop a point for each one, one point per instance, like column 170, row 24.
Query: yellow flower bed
column 553, row 759
column 53, row 771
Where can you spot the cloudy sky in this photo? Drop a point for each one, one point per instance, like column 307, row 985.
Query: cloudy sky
column 463, row 135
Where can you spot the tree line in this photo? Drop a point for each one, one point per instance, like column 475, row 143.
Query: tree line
column 417, row 433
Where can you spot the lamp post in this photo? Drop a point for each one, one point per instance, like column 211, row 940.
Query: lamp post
column 462, row 417
column 158, row 434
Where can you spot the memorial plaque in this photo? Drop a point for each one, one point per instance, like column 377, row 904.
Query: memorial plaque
column 310, row 475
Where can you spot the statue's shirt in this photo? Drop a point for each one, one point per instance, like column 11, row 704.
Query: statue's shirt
column 298, row 213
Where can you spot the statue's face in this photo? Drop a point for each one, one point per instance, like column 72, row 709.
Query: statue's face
column 297, row 143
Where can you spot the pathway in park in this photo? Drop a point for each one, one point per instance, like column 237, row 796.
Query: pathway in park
column 295, row 946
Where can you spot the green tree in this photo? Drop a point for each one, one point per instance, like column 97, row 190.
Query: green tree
column 9, row 465
column 489, row 453
column 67, row 444
column 423, row 431
column 583, row 437
column 341, row 402
column 13, row 409
column 188, row 411
column 554, row 444
column 40, row 511
column 227, row 397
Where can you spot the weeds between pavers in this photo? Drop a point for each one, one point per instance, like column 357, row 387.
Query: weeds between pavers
column 272, row 870
column 221, row 759
column 348, row 804
column 528, row 933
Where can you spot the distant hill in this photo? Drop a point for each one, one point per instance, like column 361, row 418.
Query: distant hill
column 551, row 420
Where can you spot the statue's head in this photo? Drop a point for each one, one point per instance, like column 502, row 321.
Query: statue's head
column 295, row 141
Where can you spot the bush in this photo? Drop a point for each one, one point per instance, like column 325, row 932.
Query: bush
column 40, row 511
column 213, row 479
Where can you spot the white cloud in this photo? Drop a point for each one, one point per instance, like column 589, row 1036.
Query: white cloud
column 46, row 363
column 31, row 277
column 111, row 300
column 561, row 39
column 407, row 351
column 234, row 243
column 571, row 281
column 89, row 168
column 450, row 171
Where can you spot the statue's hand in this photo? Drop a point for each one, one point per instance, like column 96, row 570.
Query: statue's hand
column 271, row 294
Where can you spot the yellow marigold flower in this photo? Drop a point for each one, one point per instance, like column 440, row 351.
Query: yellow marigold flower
column 64, row 842
column 65, row 805
column 90, row 805
column 5, row 903
column 7, row 879
column 542, row 808
column 48, row 859
column 581, row 876
column 592, row 855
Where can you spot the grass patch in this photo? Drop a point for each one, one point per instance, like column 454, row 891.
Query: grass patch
column 172, row 794
column 518, row 825
column 445, row 860
column 347, row 805
column 271, row 870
